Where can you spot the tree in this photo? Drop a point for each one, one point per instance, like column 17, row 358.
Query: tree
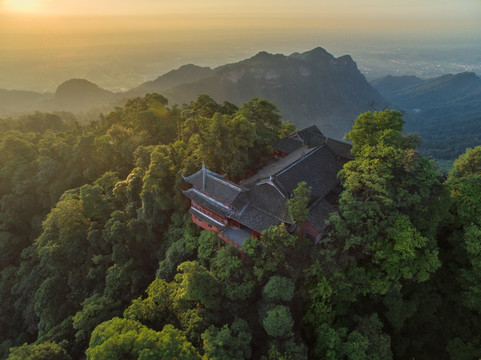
column 156, row 310
column 382, row 240
column 42, row 351
column 297, row 204
column 278, row 288
column 208, row 244
column 458, row 282
column 198, row 284
column 467, row 164
column 95, row 310
column 156, row 195
column 232, row 273
column 389, row 206
column 278, row 321
column 62, row 250
column 128, row 339
column 228, row 342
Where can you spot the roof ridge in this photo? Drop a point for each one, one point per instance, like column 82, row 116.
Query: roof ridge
column 226, row 182
column 298, row 161
column 320, row 198
column 278, row 186
column 210, row 198
column 265, row 212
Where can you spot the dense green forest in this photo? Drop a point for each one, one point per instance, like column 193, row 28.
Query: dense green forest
column 100, row 260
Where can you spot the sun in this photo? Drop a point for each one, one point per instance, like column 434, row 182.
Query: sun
column 23, row 6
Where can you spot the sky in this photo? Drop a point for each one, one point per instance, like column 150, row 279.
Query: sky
column 121, row 43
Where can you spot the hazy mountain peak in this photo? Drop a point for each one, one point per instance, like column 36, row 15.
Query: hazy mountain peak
column 185, row 70
column 312, row 87
column 184, row 74
column 467, row 76
column 262, row 55
column 346, row 59
column 262, row 58
column 317, row 51
column 81, row 94
column 75, row 85
column 461, row 89
column 390, row 84
column 315, row 54
column 190, row 67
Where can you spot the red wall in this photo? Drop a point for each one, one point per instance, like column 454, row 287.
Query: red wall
column 308, row 228
column 203, row 224
column 210, row 213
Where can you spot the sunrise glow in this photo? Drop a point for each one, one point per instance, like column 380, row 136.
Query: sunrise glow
column 124, row 42
column 23, row 6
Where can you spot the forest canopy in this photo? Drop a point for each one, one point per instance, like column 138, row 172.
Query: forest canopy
column 99, row 258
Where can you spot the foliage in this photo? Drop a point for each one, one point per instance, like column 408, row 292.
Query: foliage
column 279, row 288
column 278, row 321
column 88, row 212
column 383, row 240
column 128, row 339
column 42, row 351
column 92, row 216
column 297, row 205
column 228, row 342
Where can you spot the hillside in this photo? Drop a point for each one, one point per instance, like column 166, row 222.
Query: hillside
column 100, row 257
column 80, row 94
column 446, row 110
column 390, row 85
column 18, row 101
column 73, row 95
column 310, row 88
column 185, row 74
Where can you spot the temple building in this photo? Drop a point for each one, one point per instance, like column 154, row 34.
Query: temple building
column 238, row 211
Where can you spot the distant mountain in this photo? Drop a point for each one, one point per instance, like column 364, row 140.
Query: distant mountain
column 446, row 110
column 73, row 95
column 18, row 101
column 79, row 94
column 185, row 74
column 389, row 85
column 309, row 88
column 412, row 92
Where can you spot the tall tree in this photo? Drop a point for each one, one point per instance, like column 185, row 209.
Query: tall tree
column 384, row 235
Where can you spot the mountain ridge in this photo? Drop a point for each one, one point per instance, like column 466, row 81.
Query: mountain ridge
column 445, row 111
column 312, row 87
column 418, row 93
column 185, row 73
column 309, row 88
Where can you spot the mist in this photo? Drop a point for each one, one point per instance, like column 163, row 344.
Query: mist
column 118, row 53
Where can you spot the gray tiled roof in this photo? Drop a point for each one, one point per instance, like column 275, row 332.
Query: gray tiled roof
column 274, row 167
column 215, row 185
column 318, row 169
column 206, row 201
column 268, row 198
column 340, row 148
column 287, row 145
column 261, row 201
column 311, row 136
column 256, row 219
column 319, row 213
column 237, row 235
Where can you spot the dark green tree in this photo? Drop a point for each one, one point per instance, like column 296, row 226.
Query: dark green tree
column 42, row 351
column 129, row 339
column 297, row 204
